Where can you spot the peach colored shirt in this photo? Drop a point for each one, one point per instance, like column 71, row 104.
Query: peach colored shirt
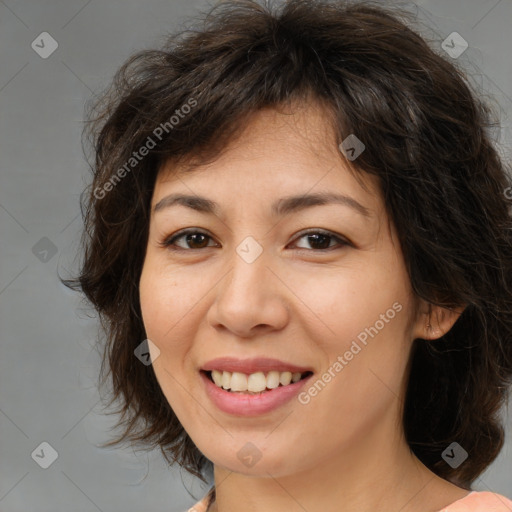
column 475, row 501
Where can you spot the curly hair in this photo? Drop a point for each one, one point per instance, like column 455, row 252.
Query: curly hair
column 427, row 143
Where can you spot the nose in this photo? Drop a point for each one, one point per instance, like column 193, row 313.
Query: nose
column 251, row 299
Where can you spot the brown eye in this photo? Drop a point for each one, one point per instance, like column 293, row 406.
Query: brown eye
column 321, row 240
column 193, row 239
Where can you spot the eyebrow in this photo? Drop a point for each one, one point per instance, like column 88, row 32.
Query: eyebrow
column 281, row 207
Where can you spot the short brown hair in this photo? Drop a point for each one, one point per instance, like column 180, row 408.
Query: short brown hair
column 427, row 142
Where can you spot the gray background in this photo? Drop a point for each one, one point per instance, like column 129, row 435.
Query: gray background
column 47, row 365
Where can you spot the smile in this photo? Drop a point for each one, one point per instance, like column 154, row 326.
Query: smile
column 254, row 383
column 246, row 403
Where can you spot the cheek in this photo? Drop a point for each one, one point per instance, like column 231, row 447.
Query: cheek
column 162, row 310
column 343, row 303
column 165, row 299
column 361, row 325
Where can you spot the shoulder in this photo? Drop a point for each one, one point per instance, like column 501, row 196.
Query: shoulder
column 202, row 505
column 476, row 501
column 481, row 501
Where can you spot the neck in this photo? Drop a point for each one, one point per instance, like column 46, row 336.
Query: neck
column 375, row 472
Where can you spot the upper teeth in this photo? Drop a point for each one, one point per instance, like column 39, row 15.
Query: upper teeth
column 254, row 382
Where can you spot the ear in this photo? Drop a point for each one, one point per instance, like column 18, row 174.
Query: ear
column 435, row 321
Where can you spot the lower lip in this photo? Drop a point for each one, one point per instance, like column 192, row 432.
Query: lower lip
column 251, row 405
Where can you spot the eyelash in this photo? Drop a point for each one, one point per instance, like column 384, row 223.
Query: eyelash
column 169, row 242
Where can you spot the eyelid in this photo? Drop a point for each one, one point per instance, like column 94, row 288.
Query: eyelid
column 167, row 242
column 342, row 241
column 326, row 232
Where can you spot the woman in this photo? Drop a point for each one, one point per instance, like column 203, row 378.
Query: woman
column 298, row 240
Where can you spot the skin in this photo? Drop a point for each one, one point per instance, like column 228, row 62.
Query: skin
column 344, row 449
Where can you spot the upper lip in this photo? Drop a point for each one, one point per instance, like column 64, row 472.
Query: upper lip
column 248, row 366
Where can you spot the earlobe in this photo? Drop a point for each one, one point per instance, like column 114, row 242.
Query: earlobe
column 435, row 321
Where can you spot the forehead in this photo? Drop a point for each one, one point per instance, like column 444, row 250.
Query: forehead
column 292, row 149
column 274, row 131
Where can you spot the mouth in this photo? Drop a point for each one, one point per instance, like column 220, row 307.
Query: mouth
column 257, row 383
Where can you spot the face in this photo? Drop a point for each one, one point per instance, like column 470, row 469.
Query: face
column 319, row 289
